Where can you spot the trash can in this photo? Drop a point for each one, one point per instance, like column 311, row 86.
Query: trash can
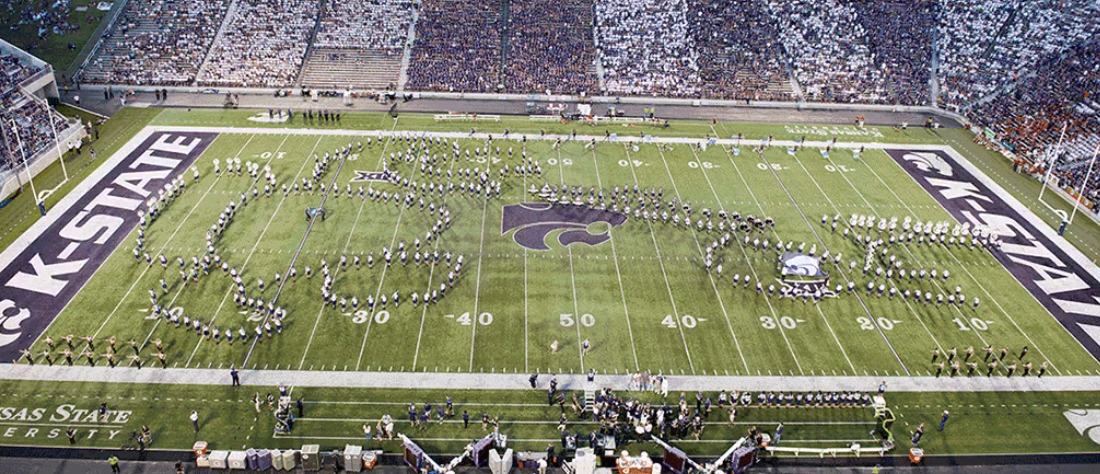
column 219, row 460
column 290, row 459
column 263, row 460
column 237, row 460
column 277, row 460
column 311, row 457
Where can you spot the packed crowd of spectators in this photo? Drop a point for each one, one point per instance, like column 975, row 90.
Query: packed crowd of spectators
column 827, row 47
column 47, row 17
column 29, row 117
column 1030, row 119
column 157, row 42
column 366, row 24
column 985, row 45
column 899, row 37
column 457, row 46
column 550, row 47
column 740, row 56
column 645, row 47
column 262, row 45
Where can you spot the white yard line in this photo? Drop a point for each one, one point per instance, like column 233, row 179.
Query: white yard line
column 572, row 274
column 431, row 273
column 252, row 252
column 661, row 262
column 872, row 208
column 317, row 322
column 170, row 237
column 839, row 268
column 618, row 272
column 480, row 252
column 959, row 263
column 183, row 284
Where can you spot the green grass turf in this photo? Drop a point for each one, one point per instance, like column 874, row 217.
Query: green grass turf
column 54, row 48
column 651, row 305
column 983, row 423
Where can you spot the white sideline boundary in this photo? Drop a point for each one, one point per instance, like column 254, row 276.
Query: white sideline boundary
column 397, row 379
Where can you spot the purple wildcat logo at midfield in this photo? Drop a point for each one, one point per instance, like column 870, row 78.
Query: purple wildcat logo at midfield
column 536, row 221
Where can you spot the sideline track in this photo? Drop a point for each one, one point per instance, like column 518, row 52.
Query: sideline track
column 518, row 381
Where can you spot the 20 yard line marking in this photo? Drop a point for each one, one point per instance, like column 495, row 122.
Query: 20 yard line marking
column 956, row 259
column 247, row 259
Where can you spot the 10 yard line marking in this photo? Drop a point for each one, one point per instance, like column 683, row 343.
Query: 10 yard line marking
column 661, row 262
column 253, row 252
column 183, row 285
column 180, row 226
column 618, row 273
column 572, row 276
column 872, row 208
column 991, row 298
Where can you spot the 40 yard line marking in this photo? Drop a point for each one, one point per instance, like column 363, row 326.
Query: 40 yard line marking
column 661, row 262
column 618, row 273
column 987, row 293
column 480, row 251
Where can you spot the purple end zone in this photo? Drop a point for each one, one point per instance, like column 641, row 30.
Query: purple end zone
column 537, row 220
column 45, row 276
column 1057, row 281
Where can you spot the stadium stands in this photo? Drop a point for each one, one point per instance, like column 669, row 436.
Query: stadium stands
column 159, row 42
column 550, row 47
column 261, row 44
column 899, row 39
column 359, row 45
column 457, row 47
column 29, row 116
column 646, row 48
column 740, row 56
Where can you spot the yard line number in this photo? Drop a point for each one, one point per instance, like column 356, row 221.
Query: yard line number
column 466, row 319
column 587, row 320
column 686, row 321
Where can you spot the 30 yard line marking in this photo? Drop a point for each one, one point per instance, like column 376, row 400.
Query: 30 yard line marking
column 618, row 273
column 247, row 259
column 956, row 259
column 822, row 241
column 660, row 261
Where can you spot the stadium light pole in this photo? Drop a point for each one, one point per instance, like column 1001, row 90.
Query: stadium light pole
column 26, row 166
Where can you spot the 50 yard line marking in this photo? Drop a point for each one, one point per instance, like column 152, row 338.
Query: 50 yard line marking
column 572, row 275
column 252, row 252
column 987, row 293
column 660, row 261
column 618, row 273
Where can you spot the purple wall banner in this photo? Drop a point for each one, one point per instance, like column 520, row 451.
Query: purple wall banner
column 51, row 262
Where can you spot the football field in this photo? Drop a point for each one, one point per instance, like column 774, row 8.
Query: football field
column 535, row 274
